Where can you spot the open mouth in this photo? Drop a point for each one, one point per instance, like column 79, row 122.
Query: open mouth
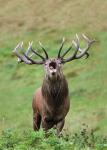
column 52, row 65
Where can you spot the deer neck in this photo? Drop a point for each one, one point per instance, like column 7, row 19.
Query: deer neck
column 55, row 90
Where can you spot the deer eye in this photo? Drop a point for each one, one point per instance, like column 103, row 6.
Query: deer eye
column 45, row 64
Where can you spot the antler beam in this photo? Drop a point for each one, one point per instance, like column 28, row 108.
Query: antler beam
column 25, row 55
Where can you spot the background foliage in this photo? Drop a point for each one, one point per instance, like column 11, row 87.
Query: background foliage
column 49, row 21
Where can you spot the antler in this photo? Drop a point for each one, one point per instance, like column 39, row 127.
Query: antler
column 76, row 44
column 62, row 44
column 25, row 57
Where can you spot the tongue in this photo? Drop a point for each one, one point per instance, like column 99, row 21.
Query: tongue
column 51, row 67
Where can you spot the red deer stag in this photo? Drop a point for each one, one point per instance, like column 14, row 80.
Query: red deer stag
column 51, row 101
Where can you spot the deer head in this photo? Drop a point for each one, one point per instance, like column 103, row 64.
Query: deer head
column 53, row 67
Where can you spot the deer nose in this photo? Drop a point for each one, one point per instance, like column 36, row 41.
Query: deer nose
column 53, row 71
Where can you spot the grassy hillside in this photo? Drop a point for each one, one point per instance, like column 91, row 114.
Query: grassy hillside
column 49, row 21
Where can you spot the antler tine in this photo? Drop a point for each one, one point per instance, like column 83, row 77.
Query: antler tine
column 20, row 58
column 77, row 37
column 38, row 54
column 15, row 51
column 34, row 52
column 26, row 53
column 66, row 51
column 74, row 54
column 73, row 42
column 84, row 51
column 76, row 43
column 79, row 49
column 29, row 58
column 62, row 44
column 43, row 50
column 29, row 48
column 87, row 39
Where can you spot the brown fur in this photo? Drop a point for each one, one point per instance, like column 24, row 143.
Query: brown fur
column 51, row 104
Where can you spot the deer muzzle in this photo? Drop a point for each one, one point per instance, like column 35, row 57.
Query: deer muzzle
column 53, row 68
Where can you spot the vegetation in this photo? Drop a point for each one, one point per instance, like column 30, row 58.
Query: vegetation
column 49, row 21
column 31, row 140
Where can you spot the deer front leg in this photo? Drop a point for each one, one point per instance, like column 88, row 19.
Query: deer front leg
column 59, row 127
column 36, row 121
column 47, row 124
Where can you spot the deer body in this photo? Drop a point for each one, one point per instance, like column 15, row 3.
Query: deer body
column 51, row 101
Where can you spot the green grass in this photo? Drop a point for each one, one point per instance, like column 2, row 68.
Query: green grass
column 48, row 22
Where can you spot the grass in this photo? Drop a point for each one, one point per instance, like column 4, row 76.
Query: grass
column 48, row 22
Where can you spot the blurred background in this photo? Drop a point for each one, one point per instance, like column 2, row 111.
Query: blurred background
column 48, row 21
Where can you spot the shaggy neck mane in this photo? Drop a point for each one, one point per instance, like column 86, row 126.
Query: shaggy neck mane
column 55, row 91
